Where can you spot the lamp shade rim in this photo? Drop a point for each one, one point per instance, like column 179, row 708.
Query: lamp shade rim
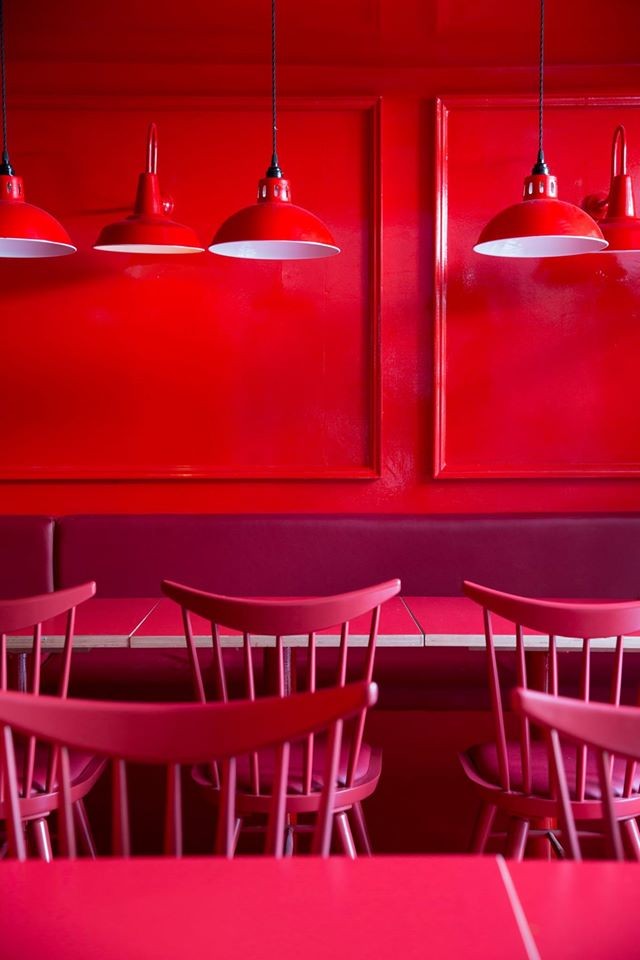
column 153, row 248
column 28, row 248
column 274, row 249
column 557, row 245
column 148, row 235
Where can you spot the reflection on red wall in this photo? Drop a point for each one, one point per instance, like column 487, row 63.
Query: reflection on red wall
column 121, row 367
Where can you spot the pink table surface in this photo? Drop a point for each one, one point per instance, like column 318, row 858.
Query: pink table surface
column 458, row 621
column 583, row 911
column 307, row 909
column 163, row 627
column 404, row 622
column 99, row 622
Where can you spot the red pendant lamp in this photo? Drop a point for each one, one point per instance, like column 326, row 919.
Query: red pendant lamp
column 149, row 229
column 616, row 213
column 540, row 225
column 25, row 231
column 274, row 228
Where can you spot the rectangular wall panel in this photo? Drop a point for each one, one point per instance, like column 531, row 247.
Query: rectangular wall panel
column 119, row 366
column 536, row 361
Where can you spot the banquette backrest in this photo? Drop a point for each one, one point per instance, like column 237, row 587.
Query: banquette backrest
column 26, row 556
column 575, row 555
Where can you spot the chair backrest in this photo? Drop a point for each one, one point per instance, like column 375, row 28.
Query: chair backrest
column 278, row 619
column 32, row 612
column 583, row 621
column 606, row 729
column 172, row 735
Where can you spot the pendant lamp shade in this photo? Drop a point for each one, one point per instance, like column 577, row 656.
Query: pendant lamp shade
column 540, row 225
column 274, row 228
column 149, row 229
column 620, row 225
column 27, row 231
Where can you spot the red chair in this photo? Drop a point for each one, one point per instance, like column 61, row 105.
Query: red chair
column 513, row 775
column 360, row 764
column 38, row 788
column 607, row 730
column 172, row 735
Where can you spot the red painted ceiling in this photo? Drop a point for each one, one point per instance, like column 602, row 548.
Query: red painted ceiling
column 412, row 33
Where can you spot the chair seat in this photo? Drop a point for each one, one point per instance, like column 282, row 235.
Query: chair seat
column 484, row 758
column 202, row 774
column 81, row 764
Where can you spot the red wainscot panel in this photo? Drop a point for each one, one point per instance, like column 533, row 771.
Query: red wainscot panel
column 536, row 360
column 141, row 367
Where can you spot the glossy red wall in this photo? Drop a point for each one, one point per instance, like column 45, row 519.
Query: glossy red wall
column 318, row 371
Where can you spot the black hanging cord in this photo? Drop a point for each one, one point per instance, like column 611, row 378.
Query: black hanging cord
column 540, row 166
column 5, row 167
column 274, row 170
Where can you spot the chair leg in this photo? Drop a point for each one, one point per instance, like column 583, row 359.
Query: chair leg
column 289, row 838
column 344, row 832
column 541, row 846
column 236, row 835
column 482, row 828
column 360, row 831
column 84, row 829
column 40, row 829
column 631, row 834
column 517, row 838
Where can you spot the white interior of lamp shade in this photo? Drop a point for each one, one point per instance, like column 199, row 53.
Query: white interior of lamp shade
column 543, row 246
column 147, row 248
column 27, row 248
column 274, row 249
